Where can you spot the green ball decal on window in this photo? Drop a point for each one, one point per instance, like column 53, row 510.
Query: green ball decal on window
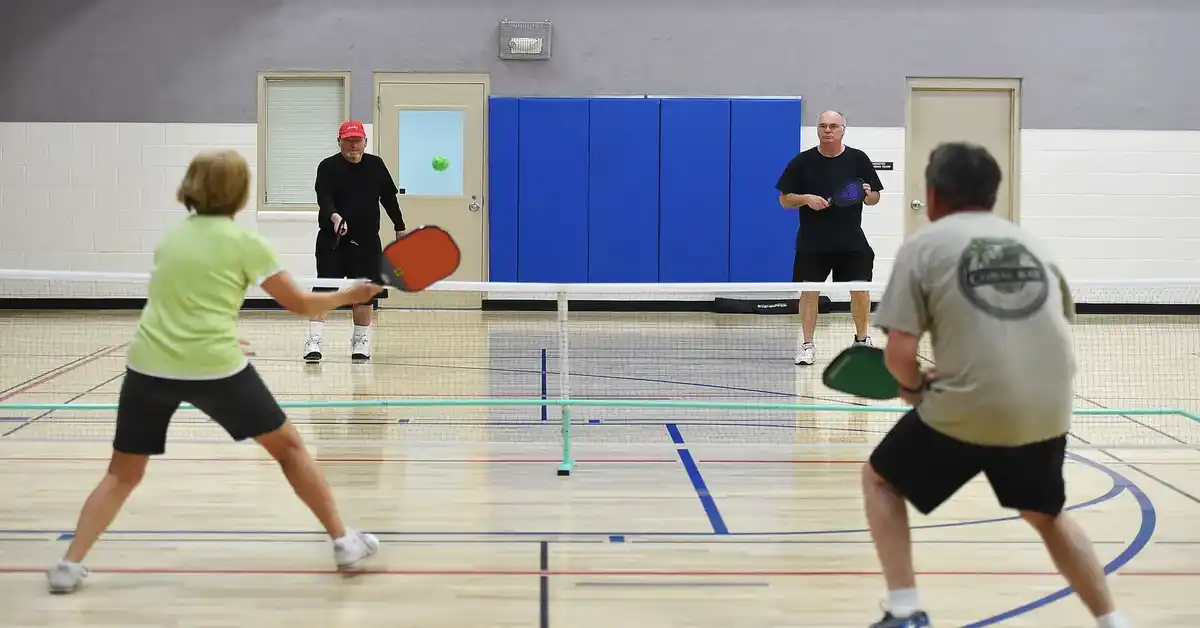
column 440, row 163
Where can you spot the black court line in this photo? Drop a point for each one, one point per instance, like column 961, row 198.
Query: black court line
column 544, row 585
column 54, row 370
column 1153, row 477
column 1104, row 407
column 1129, row 418
column 75, row 398
column 1147, row 474
column 850, row 404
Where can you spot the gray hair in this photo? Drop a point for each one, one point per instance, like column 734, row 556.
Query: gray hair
column 964, row 175
column 839, row 114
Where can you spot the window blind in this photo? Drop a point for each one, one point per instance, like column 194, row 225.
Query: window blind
column 302, row 120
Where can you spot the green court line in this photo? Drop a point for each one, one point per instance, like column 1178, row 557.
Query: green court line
column 567, row 464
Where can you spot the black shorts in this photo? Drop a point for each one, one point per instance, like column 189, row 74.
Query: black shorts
column 928, row 467
column 241, row 404
column 357, row 258
column 843, row 265
column 348, row 258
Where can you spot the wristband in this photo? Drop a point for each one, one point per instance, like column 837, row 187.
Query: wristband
column 922, row 387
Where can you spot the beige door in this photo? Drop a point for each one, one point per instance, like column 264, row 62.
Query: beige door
column 982, row 111
column 430, row 129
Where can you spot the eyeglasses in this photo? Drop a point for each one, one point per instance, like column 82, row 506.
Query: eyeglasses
column 829, row 127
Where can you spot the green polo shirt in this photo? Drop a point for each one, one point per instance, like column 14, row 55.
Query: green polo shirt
column 202, row 270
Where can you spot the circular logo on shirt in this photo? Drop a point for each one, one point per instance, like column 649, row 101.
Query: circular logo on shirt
column 1003, row 278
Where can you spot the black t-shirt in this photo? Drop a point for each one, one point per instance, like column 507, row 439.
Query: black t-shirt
column 354, row 192
column 833, row 228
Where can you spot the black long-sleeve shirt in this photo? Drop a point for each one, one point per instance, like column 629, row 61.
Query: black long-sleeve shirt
column 355, row 192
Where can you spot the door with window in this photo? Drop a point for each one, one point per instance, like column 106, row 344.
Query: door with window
column 981, row 111
column 430, row 130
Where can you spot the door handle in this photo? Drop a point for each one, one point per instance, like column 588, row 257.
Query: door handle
column 474, row 206
column 917, row 205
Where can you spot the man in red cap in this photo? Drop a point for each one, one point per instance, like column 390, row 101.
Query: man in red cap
column 350, row 187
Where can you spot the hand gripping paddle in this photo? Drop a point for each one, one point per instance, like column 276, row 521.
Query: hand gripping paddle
column 419, row 259
column 849, row 194
column 860, row 371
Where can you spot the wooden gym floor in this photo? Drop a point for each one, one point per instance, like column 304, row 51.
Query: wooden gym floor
column 673, row 517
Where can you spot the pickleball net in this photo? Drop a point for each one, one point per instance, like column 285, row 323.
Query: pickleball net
column 540, row 364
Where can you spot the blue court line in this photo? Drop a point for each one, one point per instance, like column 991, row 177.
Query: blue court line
column 1140, row 541
column 693, row 472
column 1156, row 479
column 1120, row 484
column 1145, row 473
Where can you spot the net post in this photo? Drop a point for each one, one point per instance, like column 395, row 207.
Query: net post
column 564, row 386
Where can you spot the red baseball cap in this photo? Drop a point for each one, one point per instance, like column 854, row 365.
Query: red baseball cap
column 352, row 128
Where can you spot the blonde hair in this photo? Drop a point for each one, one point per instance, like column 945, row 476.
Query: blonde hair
column 217, row 183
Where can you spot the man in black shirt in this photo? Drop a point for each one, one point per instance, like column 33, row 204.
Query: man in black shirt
column 830, row 238
column 350, row 187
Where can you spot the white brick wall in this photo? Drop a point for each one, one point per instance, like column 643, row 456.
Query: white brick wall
column 1115, row 205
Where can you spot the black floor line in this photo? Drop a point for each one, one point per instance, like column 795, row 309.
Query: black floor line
column 76, row 397
column 52, row 371
column 1161, row 481
column 544, row 578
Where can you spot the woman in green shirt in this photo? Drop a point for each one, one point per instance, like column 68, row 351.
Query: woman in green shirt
column 185, row 350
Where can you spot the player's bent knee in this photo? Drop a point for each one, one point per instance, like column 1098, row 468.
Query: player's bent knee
column 1042, row 522
column 283, row 444
column 128, row 469
column 871, row 478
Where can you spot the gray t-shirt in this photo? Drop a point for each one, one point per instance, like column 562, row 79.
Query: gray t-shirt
column 998, row 313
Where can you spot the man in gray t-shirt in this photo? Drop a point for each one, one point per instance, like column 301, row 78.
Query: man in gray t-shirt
column 998, row 312
column 990, row 298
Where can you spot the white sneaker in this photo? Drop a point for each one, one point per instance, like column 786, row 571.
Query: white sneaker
column 865, row 341
column 360, row 348
column 355, row 547
column 807, row 354
column 312, row 349
column 65, row 577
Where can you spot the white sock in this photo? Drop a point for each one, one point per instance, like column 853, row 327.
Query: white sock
column 316, row 329
column 360, row 331
column 903, row 602
column 1113, row 620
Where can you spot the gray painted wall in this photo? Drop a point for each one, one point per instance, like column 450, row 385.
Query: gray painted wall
column 1112, row 64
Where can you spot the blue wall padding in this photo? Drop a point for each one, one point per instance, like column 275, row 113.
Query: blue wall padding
column 552, row 219
column 694, row 191
column 764, row 136
column 502, row 189
column 623, row 190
